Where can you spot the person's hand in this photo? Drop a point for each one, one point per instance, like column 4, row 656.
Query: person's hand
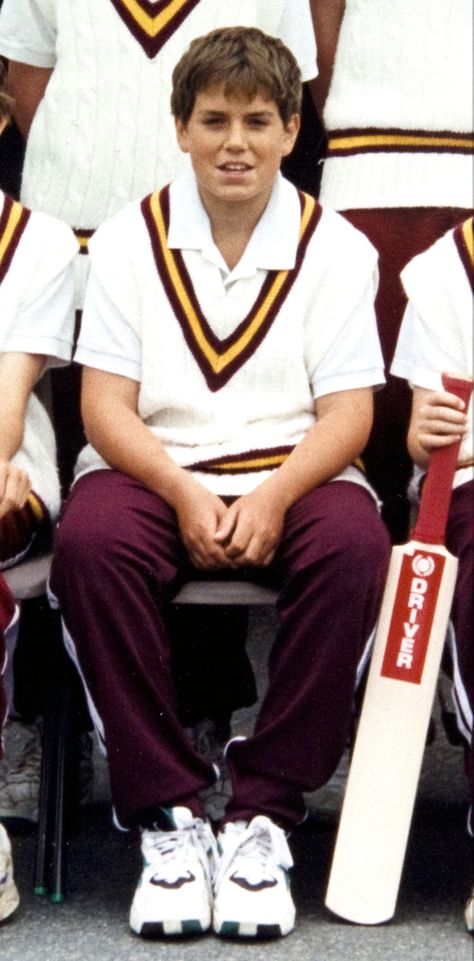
column 14, row 488
column 199, row 514
column 440, row 420
column 251, row 529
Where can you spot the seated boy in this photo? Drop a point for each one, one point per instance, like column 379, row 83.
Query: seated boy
column 230, row 353
column 36, row 323
column 437, row 336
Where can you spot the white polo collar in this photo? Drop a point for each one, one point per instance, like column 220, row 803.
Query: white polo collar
column 272, row 246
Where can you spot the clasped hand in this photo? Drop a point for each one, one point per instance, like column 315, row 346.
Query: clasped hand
column 217, row 536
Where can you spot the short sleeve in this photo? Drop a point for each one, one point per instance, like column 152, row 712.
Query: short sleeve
column 28, row 31
column 44, row 324
column 107, row 341
column 420, row 356
column 354, row 357
column 297, row 32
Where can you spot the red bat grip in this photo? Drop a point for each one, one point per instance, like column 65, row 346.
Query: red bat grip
column 432, row 518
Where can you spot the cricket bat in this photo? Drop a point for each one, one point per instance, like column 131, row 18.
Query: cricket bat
column 388, row 752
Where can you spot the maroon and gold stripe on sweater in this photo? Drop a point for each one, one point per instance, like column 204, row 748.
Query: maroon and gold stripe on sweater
column 152, row 24
column 246, row 462
column 219, row 359
column 346, row 143
column 13, row 220
column 83, row 236
column 464, row 240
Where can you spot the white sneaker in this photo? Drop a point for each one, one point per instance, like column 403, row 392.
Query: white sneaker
column 252, row 895
column 20, row 771
column 174, row 893
column 9, row 899
column 469, row 913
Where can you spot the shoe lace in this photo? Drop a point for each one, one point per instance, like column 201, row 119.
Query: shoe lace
column 172, row 851
column 258, row 847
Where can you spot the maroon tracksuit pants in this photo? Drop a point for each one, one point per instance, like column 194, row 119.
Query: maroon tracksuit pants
column 459, row 540
column 118, row 559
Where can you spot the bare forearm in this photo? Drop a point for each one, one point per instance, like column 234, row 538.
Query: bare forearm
column 27, row 85
column 128, row 445
column 327, row 18
column 330, row 446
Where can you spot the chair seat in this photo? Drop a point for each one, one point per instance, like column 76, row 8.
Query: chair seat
column 28, row 579
column 223, row 592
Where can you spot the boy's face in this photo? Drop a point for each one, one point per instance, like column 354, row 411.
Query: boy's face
column 236, row 145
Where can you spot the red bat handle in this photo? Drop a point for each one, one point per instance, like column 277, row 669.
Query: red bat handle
column 432, row 518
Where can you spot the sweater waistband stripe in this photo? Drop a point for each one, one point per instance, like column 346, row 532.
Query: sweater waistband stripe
column 245, row 463
column 343, row 143
column 83, row 236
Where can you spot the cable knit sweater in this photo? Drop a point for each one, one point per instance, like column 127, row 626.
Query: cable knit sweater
column 103, row 134
column 399, row 109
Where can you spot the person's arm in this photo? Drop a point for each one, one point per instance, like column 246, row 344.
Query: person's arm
column 252, row 527
column 18, row 375
column 437, row 420
column 327, row 19
column 27, row 85
column 113, row 426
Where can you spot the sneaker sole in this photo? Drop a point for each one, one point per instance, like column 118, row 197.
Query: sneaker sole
column 249, row 929
column 169, row 929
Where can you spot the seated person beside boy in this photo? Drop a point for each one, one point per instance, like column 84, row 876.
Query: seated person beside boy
column 230, row 354
column 436, row 337
column 36, row 323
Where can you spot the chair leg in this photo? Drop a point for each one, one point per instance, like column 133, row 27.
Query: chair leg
column 49, row 874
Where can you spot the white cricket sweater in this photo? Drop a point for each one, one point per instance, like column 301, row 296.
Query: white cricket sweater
column 403, row 68
column 226, row 402
column 437, row 331
column 36, row 316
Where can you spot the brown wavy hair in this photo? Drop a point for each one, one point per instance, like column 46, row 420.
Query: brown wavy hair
column 244, row 60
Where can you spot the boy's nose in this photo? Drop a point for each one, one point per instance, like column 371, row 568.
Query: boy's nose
column 235, row 139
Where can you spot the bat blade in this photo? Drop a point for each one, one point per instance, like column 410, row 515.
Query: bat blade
column 381, row 788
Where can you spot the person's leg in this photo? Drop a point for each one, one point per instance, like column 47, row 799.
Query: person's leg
column 332, row 564
column 21, row 532
column 460, row 542
column 117, row 554
column 333, row 560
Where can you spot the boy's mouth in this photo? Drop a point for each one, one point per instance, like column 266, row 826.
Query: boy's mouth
column 235, row 167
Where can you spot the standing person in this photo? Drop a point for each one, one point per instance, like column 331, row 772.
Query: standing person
column 36, row 326
column 395, row 93
column 227, row 281
column 92, row 85
column 437, row 337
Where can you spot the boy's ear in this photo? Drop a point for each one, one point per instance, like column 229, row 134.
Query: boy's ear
column 291, row 133
column 181, row 134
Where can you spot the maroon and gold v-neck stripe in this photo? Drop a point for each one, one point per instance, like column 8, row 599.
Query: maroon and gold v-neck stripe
column 220, row 359
column 153, row 24
column 13, row 221
column 464, row 240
